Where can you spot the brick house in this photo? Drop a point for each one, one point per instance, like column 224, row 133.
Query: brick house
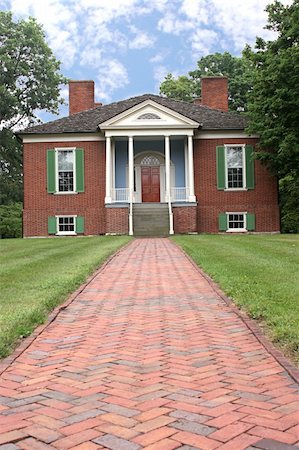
column 146, row 165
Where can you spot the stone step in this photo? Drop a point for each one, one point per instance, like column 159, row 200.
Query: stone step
column 150, row 219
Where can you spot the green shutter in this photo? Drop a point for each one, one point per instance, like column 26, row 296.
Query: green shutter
column 249, row 161
column 79, row 170
column 51, row 171
column 79, row 224
column 222, row 221
column 220, row 161
column 250, row 222
column 52, row 225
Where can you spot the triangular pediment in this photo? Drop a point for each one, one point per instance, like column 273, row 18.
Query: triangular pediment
column 148, row 115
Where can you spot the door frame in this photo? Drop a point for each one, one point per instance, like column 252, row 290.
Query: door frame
column 137, row 198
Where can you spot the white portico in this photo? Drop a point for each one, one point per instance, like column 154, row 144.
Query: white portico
column 149, row 157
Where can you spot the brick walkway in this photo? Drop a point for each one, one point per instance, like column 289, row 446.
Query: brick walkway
column 147, row 356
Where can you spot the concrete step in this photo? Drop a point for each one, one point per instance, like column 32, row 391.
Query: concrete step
column 150, row 219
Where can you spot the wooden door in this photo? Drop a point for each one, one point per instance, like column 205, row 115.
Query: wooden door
column 150, row 184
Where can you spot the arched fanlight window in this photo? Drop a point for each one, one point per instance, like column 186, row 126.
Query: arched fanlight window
column 150, row 160
column 149, row 116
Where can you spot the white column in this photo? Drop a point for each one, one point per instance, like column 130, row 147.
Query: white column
column 108, row 198
column 131, row 182
column 167, row 168
column 131, row 167
column 192, row 197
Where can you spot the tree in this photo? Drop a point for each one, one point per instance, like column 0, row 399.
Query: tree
column 11, row 168
column 182, row 88
column 237, row 70
column 273, row 103
column 29, row 82
column 11, row 220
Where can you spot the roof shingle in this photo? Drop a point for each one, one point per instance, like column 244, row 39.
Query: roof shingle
column 89, row 121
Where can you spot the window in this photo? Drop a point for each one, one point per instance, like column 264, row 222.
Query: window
column 65, row 170
column 236, row 221
column 148, row 116
column 66, row 225
column 65, row 164
column 235, row 167
column 150, row 160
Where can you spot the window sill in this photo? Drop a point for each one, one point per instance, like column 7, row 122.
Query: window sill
column 65, row 193
column 71, row 233
column 237, row 230
column 235, row 189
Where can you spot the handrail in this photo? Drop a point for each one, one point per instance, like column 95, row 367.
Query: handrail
column 171, row 230
column 131, row 214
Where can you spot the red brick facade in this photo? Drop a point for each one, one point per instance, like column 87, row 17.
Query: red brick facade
column 185, row 219
column 203, row 218
column 39, row 205
column 261, row 201
column 117, row 220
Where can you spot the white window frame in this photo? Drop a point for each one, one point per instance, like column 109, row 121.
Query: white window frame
column 243, row 188
column 65, row 233
column 236, row 230
column 61, row 149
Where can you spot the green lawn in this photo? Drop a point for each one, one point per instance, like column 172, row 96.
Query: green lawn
column 38, row 274
column 260, row 273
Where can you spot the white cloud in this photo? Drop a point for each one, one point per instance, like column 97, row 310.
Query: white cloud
column 170, row 23
column 93, row 36
column 159, row 57
column 196, row 10
column 91, row 57
column 202, row 41
column 141, row 39
column 111, row 75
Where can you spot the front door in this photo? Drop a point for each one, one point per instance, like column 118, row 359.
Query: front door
column 150, row 184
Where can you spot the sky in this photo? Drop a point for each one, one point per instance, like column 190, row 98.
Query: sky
column 128, row 46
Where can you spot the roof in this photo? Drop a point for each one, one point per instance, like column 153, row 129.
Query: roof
column 89, row 121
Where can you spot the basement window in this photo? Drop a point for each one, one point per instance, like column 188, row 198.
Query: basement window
column 66, row 225
column 236, row 222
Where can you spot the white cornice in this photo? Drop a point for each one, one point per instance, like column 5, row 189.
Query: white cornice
column 65, row 137
column 150, row 132
column 222, row 134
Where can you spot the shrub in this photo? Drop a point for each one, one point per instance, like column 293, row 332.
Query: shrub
column 11, row 220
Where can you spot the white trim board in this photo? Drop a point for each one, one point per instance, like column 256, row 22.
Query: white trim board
column 225, row 135
column 72, row 137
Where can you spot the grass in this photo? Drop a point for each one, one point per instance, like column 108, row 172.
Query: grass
column 260, row 273
column 38, row 274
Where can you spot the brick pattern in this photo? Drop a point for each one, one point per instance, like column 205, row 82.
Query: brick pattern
column 214, row 92
column 147, row 356
column 38, row 204
column 185, row 219
column 262, row 201
column 117, row 220
column 81, row 96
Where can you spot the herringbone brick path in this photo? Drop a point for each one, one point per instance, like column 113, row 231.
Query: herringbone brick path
column 147, row 356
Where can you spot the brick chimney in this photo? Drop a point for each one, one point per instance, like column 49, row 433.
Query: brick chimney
column 214, row 92
column 81, row 96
